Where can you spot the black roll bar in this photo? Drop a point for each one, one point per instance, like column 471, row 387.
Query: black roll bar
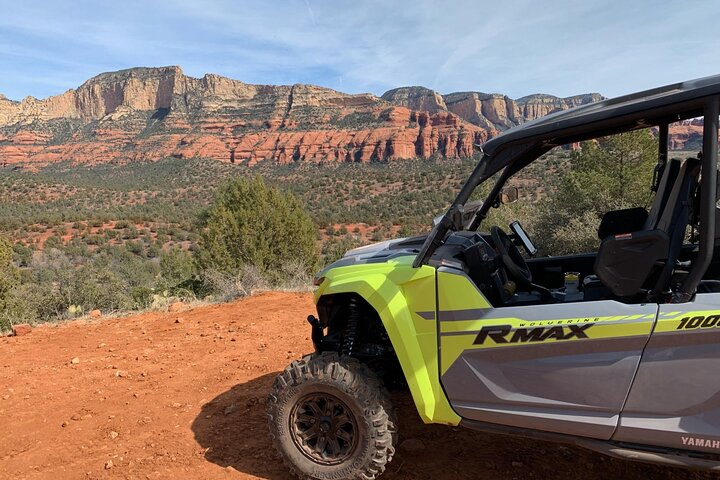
column 663, row 143
column 491, row 198
column 708, row 186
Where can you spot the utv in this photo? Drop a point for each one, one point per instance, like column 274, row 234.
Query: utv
column 616, row 350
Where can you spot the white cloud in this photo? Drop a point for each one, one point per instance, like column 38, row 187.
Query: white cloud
column 516, row 47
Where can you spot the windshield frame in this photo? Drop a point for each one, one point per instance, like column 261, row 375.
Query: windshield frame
column 519, row 156
column 523, row 144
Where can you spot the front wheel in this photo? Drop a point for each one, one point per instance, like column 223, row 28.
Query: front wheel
column 329, row 417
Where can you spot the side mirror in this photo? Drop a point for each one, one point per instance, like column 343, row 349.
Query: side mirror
column 509, row 195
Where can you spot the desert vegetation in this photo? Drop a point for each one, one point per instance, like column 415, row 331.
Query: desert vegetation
column 140, row 235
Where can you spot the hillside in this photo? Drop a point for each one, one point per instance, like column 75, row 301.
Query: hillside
column 153, row 113
column 181, row 395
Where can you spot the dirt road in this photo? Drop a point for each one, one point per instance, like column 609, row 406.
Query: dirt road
column 181, row 396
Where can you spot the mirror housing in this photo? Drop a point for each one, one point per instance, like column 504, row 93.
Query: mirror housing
column 509, row 195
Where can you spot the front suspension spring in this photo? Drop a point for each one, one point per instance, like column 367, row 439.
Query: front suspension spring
column 351, row 328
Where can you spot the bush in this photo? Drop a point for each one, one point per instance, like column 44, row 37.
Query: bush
column 59, row 285
column 32, row 302
column 250, row 223
column 142, row 296
column 334, row 249
column 53, row 242
column 228, row 286
column 176, row 266
column 22, row 255
column 9, row 275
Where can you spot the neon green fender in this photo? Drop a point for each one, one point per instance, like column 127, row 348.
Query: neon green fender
column 398, row 292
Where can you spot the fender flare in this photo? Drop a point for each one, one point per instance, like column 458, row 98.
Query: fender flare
column 417, row 352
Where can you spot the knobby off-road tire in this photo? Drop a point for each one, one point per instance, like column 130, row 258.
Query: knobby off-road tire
column 331, row 418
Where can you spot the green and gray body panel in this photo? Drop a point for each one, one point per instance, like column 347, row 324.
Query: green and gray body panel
column 675, row 398
column 606, row 370
column 397, row 292
column 564, row 368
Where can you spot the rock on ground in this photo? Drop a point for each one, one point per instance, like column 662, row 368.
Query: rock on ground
column 21, row 329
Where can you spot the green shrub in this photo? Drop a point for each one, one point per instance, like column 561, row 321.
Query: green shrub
column 250, row 223
column 22, row 255
column 335, row 248
column 153, row 251
column 9, row 275
column 134, row 247
column 176, row 266
column 142, row 296
column 53, row 242
column 31, row 302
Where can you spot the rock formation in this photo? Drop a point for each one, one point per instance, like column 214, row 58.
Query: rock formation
column 487, row 110
column 152, row 113
column 687, row 135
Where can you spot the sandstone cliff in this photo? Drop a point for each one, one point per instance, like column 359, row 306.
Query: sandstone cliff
column 487, row 110
column 151, row 113
column 687, row 135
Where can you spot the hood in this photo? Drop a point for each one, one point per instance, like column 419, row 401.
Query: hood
column 378, row 252
column 369, row 251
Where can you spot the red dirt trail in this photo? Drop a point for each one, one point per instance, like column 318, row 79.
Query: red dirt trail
column 181, row 396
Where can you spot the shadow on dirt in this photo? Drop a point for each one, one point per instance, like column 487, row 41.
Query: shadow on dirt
column 233, row 429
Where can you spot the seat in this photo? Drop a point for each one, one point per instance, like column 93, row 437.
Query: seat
column 634, row 219
column 671, row 171
column 675, row 220
column 625, row 261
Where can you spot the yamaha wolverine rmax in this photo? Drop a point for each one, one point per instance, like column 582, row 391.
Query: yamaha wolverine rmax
column 616, row 350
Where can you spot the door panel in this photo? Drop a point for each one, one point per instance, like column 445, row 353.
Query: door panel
column 563, row 367
column 675, row 399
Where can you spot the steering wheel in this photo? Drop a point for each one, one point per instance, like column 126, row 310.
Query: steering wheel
column 512, row 258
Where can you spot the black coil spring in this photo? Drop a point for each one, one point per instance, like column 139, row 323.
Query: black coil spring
column 351, row 328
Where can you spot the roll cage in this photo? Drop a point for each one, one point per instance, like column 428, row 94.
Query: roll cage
column 513, row 150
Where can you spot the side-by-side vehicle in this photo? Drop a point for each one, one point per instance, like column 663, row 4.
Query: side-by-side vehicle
column 616, row 350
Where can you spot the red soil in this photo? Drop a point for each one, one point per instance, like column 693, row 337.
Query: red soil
column 181, row 395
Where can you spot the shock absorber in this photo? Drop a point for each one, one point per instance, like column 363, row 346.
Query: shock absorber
column 351, row 328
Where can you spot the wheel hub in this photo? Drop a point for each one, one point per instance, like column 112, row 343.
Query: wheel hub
column 323, row 428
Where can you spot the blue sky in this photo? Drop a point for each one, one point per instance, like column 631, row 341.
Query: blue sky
column 516, row 47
